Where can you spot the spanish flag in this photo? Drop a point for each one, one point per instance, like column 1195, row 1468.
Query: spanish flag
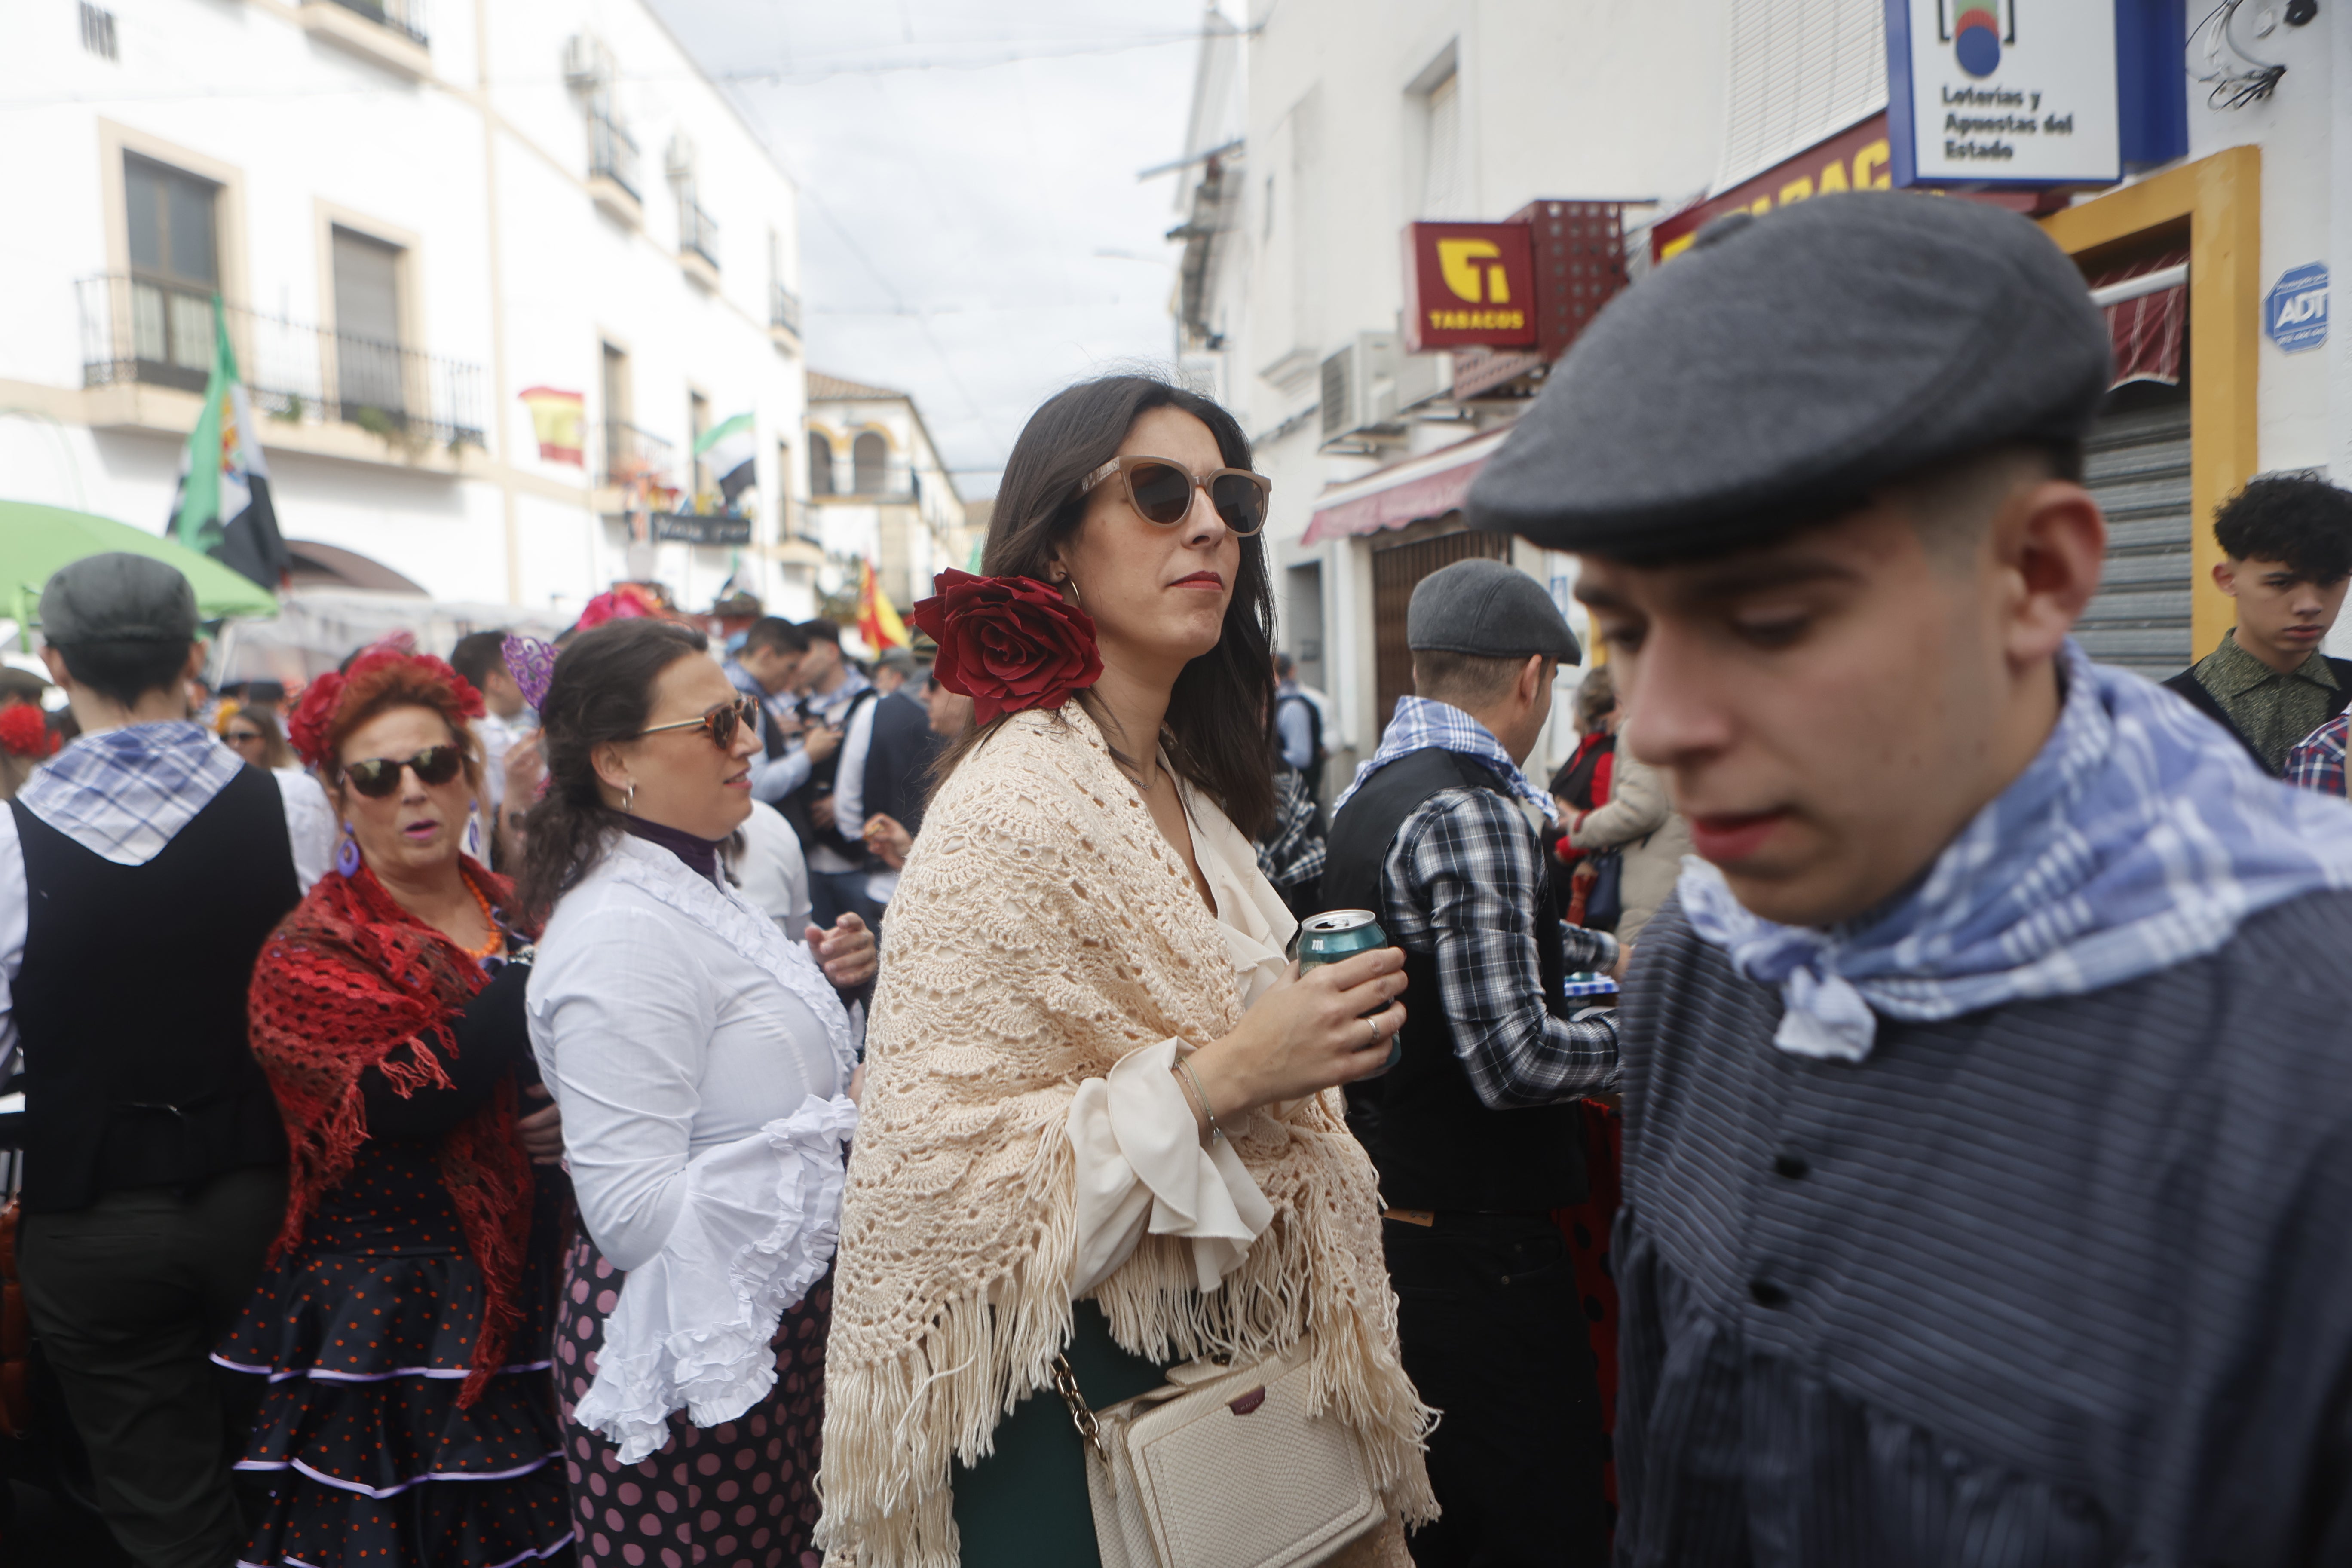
column 878, row 623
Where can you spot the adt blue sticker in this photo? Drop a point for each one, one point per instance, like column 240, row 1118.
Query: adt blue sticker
column 2294, row 313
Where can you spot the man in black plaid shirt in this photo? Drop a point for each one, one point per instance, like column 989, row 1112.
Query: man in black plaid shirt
column 1475, row 1132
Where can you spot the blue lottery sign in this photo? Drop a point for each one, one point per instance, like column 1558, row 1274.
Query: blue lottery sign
column 2294, row 313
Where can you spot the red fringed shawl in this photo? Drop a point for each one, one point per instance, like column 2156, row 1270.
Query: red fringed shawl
column 352, row 981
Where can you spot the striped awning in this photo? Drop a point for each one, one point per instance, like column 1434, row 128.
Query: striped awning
column 2146, row 307
column 1405, row 491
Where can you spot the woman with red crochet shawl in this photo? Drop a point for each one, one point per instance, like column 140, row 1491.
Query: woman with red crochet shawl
column 403, row 1322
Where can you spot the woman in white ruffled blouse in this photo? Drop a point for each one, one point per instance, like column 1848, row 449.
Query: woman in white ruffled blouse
column 707, row 1071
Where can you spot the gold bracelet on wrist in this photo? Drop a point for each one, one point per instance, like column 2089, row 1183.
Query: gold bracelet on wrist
column 1201, row 1094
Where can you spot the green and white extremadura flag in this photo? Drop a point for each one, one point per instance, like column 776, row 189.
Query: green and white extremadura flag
column 729, row 447
column 223, row 508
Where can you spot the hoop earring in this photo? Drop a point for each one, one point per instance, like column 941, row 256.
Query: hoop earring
column 629, row 799
column 347, row 857
column 1072, row 585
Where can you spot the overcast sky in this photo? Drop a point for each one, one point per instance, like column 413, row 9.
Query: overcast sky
column 971, row 228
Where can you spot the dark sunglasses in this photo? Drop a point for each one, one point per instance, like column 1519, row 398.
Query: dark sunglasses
column 1160, row 491
column 721, row 723
column 376, row 777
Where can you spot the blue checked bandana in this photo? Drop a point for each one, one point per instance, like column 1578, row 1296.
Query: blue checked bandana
column 123, row 793
column 1418, row 724
column 2139, row 838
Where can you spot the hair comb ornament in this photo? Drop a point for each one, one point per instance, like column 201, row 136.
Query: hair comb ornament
column 532, row 664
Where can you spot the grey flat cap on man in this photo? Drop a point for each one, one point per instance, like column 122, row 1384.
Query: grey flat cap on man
column 118, row 598
column 1785, row 366
column 1487, row 609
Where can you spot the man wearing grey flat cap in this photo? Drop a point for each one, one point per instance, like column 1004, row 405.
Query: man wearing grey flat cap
column 1989, row 1088
column 141, row 872
column 1476, row 1130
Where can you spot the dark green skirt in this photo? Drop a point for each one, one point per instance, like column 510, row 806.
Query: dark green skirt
column 1026, row 1505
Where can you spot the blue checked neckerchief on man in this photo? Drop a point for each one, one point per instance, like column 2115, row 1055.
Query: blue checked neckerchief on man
column 123, row 793
column 2140, row 837
column 1419, row 724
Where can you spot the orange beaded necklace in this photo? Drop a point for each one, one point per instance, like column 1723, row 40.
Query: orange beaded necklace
column 497, row 937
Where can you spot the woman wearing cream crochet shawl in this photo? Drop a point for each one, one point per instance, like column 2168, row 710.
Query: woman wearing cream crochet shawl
column 1051, row 955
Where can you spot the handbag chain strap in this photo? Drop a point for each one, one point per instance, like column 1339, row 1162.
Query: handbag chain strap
column 1082, row 1415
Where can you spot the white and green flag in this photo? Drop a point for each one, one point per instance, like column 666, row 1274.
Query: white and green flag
column 223, row 507
column 729, row 447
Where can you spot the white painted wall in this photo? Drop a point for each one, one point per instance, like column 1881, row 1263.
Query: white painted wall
column 1586, row 99
column 514, row 269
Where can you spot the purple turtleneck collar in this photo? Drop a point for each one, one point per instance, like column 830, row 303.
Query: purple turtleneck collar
column 701, row 855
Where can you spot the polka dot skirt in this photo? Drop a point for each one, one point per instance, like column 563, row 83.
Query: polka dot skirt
column 366, row 1334
column 740, row 1495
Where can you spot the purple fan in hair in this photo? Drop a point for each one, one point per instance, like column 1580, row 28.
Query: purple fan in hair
column 532, row 664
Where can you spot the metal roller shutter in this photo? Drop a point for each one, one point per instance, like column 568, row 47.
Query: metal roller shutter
column 2137, row 466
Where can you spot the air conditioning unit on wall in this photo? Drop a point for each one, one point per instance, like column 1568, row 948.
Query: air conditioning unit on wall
column 1359, row 402
column 587, row 63
column 1371, row 385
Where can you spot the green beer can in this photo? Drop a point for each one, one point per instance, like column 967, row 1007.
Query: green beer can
column 1335, row 934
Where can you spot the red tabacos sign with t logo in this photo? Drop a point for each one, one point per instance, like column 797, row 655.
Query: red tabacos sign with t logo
column 1468, row 284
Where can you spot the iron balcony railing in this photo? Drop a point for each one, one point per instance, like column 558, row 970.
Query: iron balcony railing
column 155, row 332
column 698, row 231
column 636, row 456
column 784, row 309
column 611, row 152
column 403, row 16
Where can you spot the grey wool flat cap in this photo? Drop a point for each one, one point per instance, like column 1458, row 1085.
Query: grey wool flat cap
column 1784, row 367
column 1487, row 609
column 118, row 598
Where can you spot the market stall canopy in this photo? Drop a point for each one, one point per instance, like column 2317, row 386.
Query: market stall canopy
column 35, row 540
column 1427, row 485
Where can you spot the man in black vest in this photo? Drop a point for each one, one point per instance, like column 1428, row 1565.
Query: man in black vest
column 833, row 690
column 140, row 873
column 891, row 747
column 1476, row 1130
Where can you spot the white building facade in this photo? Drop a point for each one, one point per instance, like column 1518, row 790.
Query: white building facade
column 878, row 491
column 413, row 218
column 1321, row 129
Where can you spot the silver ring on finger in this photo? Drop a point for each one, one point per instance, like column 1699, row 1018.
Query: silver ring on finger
column 1375, row 1023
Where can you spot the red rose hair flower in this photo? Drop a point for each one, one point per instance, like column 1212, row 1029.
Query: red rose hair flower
column 24, row 731
column 384, row 677
column 1010, row 644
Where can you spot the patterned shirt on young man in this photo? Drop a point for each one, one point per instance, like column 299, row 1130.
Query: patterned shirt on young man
column 1464, row 883
column 2273, row 709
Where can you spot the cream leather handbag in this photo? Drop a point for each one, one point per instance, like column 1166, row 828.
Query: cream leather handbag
column 1222, row 1468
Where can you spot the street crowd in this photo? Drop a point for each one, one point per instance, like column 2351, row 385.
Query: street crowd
column 686, row 1095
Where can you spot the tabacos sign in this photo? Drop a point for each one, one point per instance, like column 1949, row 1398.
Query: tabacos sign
column 1468, row 284
column 2002, row 93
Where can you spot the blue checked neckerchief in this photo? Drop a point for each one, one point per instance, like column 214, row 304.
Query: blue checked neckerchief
column 2139, row 838
column 1418, row 724
column 123, row 793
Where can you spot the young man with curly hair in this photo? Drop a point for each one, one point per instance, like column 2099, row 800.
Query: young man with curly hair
column 2288, row 541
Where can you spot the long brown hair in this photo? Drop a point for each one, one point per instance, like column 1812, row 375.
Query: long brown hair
column 602, row 690
column 1215, row 731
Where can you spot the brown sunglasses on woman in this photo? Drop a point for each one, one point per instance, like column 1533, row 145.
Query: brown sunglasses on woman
column 721, row 723
column 1160, row 491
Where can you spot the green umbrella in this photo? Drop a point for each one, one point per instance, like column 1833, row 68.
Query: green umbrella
column 34, row 540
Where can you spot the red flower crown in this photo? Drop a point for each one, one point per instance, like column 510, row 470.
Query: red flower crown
column 310, row 728
column 1010, row 644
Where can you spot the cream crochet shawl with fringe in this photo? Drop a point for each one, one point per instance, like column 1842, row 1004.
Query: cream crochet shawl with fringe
column 1042, row 930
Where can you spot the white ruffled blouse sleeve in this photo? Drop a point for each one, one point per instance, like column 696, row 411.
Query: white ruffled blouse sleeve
column 1142, row 1168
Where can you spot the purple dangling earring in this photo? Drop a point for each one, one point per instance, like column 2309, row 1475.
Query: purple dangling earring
column 347, row 859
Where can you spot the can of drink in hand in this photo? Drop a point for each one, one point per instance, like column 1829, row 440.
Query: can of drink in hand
column 1337, row 935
